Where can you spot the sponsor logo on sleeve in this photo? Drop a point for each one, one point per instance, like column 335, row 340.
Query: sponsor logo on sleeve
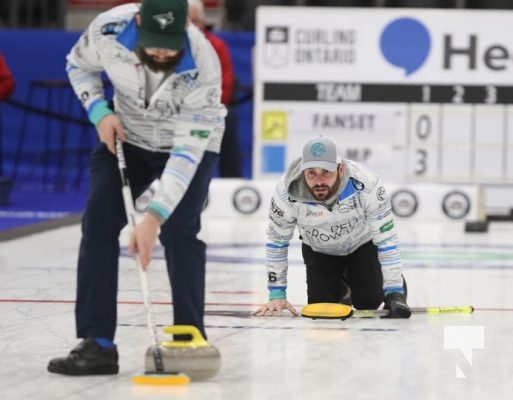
column 275, row 209
column 203, row 134
column 213, row 96
column 381, row 194
column 386, row 226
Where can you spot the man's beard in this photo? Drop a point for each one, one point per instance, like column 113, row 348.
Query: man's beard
column 159, row 66
column 330, row 190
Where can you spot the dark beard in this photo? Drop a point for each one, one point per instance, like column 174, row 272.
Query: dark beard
column 331, row 190
column 155, row 66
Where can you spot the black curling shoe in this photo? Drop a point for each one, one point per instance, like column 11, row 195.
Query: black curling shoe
column 87, row 358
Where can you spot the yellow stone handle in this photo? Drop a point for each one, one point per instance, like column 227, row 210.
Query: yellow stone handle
column 197, row 338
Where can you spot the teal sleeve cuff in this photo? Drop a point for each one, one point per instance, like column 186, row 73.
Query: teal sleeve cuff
column 98, row 110
column 277, row 294
column 160, row 212
column 393, row 290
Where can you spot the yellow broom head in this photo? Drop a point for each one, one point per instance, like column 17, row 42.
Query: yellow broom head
column 161, row 379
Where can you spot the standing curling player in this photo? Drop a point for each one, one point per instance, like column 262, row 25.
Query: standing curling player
column 349, row 242
column 168, row 113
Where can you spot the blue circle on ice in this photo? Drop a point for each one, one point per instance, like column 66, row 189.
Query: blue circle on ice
column 405, row 43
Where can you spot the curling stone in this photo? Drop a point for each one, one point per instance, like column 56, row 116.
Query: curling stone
column 195, row 358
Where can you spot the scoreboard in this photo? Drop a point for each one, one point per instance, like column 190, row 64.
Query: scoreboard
column 454, row 133
column 418, row 95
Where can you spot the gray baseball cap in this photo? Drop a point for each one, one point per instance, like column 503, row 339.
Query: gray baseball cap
column 320, row 152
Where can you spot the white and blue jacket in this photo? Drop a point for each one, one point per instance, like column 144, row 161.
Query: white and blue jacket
column 360, row 211
column 184, row 117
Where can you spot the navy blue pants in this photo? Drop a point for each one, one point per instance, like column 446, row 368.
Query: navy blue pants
column 97, row 277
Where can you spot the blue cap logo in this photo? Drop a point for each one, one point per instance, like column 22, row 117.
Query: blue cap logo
column 318, row 150
column 405, row 43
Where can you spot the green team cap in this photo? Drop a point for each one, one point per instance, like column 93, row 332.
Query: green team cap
column 163, row 24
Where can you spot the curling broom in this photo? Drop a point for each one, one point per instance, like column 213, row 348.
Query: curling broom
column 160, row 377
column 342, row 311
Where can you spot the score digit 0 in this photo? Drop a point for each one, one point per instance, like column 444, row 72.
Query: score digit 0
column 422, row 131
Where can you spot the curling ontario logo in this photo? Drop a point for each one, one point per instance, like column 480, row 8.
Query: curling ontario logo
column 405, row 43
column 276, row 49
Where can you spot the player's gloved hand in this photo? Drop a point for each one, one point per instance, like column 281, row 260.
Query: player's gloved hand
column 396, row 303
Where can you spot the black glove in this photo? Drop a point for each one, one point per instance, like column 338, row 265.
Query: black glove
column 396, row 303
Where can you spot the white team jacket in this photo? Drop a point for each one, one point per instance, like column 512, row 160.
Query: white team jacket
column 361, row 211
column 184, row 117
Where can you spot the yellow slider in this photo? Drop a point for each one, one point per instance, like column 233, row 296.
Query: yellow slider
column 327, row 311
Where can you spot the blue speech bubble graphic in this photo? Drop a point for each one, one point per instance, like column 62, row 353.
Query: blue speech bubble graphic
column 405, row 43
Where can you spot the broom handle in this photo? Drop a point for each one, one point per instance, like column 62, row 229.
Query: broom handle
column 415, row 310
column 143, row 276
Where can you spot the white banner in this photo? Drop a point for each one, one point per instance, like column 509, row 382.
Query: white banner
column 418, row 95
column 239, row 198
column 384, row 45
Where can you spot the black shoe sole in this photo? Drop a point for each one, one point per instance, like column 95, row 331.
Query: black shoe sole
column 100, row 370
